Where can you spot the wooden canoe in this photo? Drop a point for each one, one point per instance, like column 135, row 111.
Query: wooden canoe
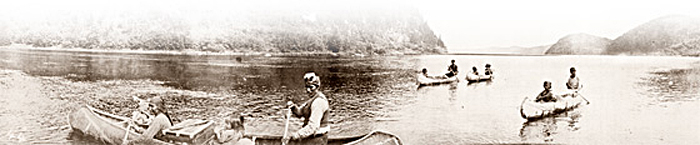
column 373, row 138
column 104, row 126
column 478, row 78
column 111, row 128
column 529, row 109
column 426, row 81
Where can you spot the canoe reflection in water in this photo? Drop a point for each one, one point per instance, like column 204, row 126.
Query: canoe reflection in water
column 453, row 92
column 546, row 129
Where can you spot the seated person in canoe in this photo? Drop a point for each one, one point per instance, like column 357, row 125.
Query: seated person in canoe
column 232, row 134
column 488, row 70
column 315, row 111
column 474, row 71
column 425, row 74
column 573, row 83
column 546, row 95
column 160, row 122
column 142, row 116
column 452, row 69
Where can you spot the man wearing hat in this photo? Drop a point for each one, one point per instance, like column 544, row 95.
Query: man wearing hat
column 573, row 83
column 315, row 111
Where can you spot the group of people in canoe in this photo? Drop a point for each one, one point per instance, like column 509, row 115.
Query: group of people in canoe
column 545, row 96
column 452, row 71
column 315, row 111
column 572, row 84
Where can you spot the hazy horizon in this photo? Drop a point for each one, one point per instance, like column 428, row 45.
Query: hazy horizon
column 462, row 25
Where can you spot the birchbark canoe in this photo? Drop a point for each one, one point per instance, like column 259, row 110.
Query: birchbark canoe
column 529, row 109
column 426, row 81
column 478, row 78
column 373, row 138
column 103, row 126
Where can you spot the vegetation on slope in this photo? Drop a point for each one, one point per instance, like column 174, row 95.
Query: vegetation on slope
column 579, row 44
column 394, row 30
column 669, row 35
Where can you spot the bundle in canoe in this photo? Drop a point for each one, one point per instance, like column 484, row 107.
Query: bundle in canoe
column 111, row 128
column 478, row 78
column 436, row 80
column 372, row 138
column 529, row 109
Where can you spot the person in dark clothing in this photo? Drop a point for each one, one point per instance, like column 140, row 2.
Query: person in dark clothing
column 474, row 71
column 452, row 69
column 546, row 95
column 488, row 70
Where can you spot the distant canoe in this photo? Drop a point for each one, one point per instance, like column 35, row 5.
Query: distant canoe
column 478, row 78
column 426, row 81
column 372, row 138
column 529, row 109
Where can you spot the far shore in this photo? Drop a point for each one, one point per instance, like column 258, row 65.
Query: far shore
column 195, row 52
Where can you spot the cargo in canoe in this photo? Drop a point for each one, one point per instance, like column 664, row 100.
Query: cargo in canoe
column 372, row 138
column 436, row 80
column 478, row 78
column 111, row 128
column 529, row 109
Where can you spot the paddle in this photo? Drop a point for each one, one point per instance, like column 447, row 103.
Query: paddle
column 128, row 127
column 126, row 132
column 288, row 114
column 584, row 98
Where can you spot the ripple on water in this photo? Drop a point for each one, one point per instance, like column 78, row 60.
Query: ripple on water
column 674, row 85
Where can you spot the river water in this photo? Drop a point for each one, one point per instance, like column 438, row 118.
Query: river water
column 633, row 101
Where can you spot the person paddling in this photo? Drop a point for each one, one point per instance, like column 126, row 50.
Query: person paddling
column 546, row 95
column 573, row 83
column 474, row 71
column 315, row 111
column 452, row 69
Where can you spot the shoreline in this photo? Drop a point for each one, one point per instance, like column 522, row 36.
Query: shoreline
column 192, row 52
column 199, row 52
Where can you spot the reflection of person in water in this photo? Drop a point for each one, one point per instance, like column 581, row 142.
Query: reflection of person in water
column 453, row 92
column 539, row 130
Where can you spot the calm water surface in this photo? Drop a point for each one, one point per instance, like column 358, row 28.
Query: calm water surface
column 381, row 93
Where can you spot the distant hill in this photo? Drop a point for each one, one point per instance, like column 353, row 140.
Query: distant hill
column 669, row 35
column 580, row 44
column 380, row 30
column 514, row 50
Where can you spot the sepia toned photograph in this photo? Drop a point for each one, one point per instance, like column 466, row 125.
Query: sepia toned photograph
column 349, row 72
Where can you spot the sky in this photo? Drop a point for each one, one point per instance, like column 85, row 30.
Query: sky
column 462, row 24
column 478, row 24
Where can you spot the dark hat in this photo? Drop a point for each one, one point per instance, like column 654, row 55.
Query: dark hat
column 488, row 65
column 310, row 78
column 572, row 69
